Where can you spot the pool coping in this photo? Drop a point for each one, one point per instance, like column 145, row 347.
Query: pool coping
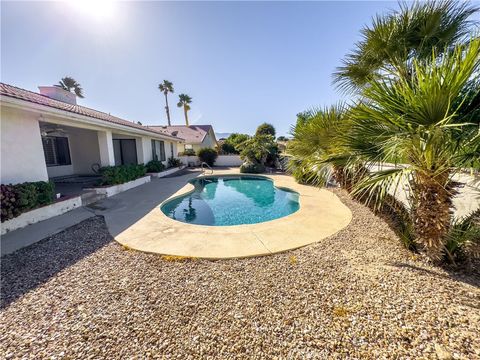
column 321, row 214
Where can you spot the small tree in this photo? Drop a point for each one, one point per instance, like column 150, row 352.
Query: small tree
column 232, row 142
column 208, row 155
column 265, row 129
column 257, row 149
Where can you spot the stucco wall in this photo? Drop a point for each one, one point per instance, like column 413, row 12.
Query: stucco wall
column 22, row 156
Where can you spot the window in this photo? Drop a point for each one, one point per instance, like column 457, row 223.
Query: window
column 56, row 150
column 125, row 151
column 188, row 146
column 158, row 150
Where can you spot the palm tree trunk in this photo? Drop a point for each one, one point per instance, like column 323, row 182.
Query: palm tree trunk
column 186, row 115
column 167, row 109
column 432, row 204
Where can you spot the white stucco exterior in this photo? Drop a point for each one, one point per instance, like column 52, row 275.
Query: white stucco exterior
column 90, row 141
column 21, row 147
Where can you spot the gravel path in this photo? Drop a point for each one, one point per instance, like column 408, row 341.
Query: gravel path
column 357, row 294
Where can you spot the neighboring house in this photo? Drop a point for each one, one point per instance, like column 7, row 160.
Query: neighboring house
column 196, row 136
column 47, row 135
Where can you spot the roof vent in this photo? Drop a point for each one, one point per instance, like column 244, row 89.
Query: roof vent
column 174, row 133
column 57, row 93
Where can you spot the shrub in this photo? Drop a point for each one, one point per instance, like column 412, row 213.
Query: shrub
column 252, row 168
column 174, row 162
column 19, row 198
column 9, row 201
column 155, row 166
column 114, row 175
column 189, row 152
column 45, row 192
column 265, row 129
column 208, row 155
column 27, row 196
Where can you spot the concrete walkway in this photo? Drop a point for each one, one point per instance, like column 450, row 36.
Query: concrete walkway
column 14, row 240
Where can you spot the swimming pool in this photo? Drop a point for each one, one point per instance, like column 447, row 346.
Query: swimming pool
column 232, row 200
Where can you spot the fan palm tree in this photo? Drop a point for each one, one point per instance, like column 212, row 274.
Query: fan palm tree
column 166, row 87
column 318, row 149
column 70, row 84
column 389, row 45
column 417, row 122
column 184, row 101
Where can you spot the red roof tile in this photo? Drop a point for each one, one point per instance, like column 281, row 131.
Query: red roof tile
column 36, row 98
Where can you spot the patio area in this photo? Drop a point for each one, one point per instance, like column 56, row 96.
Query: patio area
column 356, row 294
column 321, row 214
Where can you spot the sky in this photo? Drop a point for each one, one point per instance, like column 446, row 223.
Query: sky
column 243, row 63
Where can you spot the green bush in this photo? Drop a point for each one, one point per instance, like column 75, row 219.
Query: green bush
column 174, row 162
column 114, row 175
column 155, row 166
column 252, row 168
column 19, row 198
column 208, row 155
column 27, row 196
column 45, row 192
column 189, row 152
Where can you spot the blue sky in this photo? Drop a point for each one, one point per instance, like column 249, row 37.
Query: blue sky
column 242, row 63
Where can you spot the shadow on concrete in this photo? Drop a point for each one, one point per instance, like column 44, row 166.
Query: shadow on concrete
column 125, row 209
column 32, row 266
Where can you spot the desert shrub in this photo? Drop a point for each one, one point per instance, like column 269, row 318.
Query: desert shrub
column 19, row 198
column 252, row 168
column 231, row 144
column 114, row 175
column 463, row 238
column 155, row 166
column 174, row 162
column 208, row 155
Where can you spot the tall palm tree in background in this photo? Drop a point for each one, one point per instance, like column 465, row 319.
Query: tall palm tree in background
column 184, row 101
column 389, row 45
column 70, row 84
column 166, row 87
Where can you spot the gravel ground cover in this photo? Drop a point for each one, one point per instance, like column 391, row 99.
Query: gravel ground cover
column 357, row 294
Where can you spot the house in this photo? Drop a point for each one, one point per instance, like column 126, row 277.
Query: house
column 46, row 135
column 196, row 137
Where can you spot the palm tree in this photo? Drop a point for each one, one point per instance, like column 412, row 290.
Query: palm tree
column 417, row 122
column 318, row 151
column 166, row 87
column 68, row 83
column 184, row 101
column 388, row 47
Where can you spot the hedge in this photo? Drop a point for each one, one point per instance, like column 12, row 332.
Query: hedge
column 155, row 166
column 19, row 198
column 115, row 175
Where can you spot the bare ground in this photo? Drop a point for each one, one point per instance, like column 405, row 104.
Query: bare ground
column 357, row 294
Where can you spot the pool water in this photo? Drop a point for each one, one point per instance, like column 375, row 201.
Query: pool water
column 228, row 200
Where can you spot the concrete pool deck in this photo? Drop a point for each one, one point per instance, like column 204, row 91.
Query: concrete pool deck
column 321, row 214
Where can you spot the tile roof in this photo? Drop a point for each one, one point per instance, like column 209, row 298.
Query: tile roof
column 36, row 98
column 193, row 134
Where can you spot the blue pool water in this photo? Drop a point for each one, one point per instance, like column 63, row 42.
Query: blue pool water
column 223, row 201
